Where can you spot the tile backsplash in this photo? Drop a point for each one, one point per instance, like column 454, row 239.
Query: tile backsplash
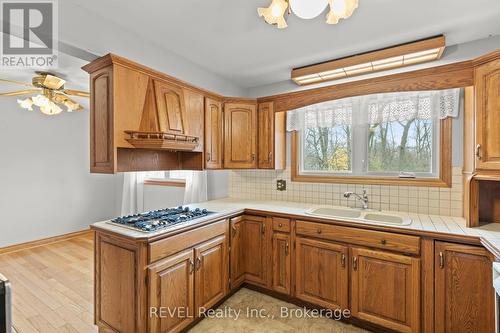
column 261, row 185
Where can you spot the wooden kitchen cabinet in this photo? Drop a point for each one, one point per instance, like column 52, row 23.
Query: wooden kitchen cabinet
column 385, row 289
column 213, row 134
column 171, row 107
column 172, row 287
column 211, row 278
column 281, row 263
column 237, row 267
column 240, row 136
column 321, row 275
column 254, row 236
column 271, row 137
column 464, row 295
column 487, row 96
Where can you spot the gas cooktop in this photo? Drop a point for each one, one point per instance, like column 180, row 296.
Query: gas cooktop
column 160, row 219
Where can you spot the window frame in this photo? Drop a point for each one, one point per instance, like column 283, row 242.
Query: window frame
column 443, row 178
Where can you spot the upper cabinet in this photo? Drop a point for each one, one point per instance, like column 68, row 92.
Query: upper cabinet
column 214, row 123
column 143, row 120
column 271, row 137
column 240, row 135
column 487, row 91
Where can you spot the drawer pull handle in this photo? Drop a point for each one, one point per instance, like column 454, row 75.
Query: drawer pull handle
column 263, row 229
column 280, row 225
column 478, row 152
column 342, row 260
column 441, row 260
column 191, row 266
column 208, row 157
column 234, row 230
column 287, row 247
column 355, row 263
column 318, row 231
column 383, row 242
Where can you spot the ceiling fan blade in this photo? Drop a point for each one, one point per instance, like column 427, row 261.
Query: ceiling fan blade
column 69, row 102
column 20, row 92
column 53, row 82
column 76, row 93
column 17, row 82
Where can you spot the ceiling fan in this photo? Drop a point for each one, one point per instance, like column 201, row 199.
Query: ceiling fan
column 50, row 94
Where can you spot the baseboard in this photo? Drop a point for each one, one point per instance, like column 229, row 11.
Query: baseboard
column 45, row 241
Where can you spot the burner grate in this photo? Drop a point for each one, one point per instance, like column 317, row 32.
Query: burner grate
column 160, row 219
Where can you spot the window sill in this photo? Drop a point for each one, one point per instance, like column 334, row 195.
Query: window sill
column 428, row 182
column 166, row 182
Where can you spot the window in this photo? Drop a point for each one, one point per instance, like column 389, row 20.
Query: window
column 176, row 178
column 396, row 138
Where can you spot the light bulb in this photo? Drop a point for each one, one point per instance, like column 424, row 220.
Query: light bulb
column 308, row 9
column 26, row 103
column 40, row 100
column 275, row 10
column 339, row 8
column 50, row 109
column 275, row 13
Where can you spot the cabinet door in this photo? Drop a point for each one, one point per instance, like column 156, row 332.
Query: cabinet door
column 236, row 254
column 281, row 263
column 487, row 85
column 211, row 278
column 254, row 249
column 240, row 136
column 213, row 134
column 266, row 135
column 464, row 295
column 171, row 287
column 321, row 276
column 385, row 289
column 171, row 107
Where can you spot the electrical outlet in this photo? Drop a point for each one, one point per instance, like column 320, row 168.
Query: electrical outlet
column 281, row 185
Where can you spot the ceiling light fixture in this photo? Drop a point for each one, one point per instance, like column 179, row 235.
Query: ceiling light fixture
column 307, row 9
column 398, row 56
column 51, row 94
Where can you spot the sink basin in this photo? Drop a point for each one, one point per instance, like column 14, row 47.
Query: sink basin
column 370, row 216
column 336, row 212
column 392, row 219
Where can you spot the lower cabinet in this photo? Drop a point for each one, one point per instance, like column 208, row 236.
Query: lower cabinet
column 281, row 263
column 464, row 295
column 385, row 289
column 211, row 278
column 237, row 269
column 171, row 288
column 321, row 275
column 255, row 249
column 182, row 284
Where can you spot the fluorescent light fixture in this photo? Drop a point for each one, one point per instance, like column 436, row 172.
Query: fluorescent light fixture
column 393, row 57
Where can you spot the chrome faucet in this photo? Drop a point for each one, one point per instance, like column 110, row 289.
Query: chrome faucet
column 363, row 198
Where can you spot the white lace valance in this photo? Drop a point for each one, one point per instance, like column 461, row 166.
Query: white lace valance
column 377, row 108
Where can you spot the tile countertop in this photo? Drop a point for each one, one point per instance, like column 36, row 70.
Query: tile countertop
column 434, row 225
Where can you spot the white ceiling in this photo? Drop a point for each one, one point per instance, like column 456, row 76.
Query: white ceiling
column 227, row 37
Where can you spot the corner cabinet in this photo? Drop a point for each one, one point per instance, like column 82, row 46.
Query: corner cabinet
column 240, row 136
column 271, row 137
column 214, row 127
column 487, row 91
column 464, row 295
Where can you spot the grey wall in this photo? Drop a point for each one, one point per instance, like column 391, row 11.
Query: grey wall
column 45, row 185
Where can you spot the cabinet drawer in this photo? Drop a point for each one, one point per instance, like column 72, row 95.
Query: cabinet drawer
column 281, row 224
column 170, row 245
column 370, row 238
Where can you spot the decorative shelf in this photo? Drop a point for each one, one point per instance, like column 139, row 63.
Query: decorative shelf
column 162, row 140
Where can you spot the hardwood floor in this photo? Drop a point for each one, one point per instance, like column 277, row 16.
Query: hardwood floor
column 52, row 286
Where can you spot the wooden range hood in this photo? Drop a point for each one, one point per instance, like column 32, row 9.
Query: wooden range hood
column 143, row 120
